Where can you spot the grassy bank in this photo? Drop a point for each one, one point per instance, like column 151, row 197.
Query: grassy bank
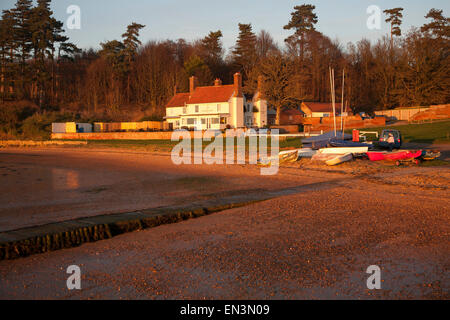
column 167, row 145
column 436, row 132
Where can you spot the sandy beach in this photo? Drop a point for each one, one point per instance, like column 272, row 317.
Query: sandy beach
column 316, row 244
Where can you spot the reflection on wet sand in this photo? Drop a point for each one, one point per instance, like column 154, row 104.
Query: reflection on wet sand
column 64, row 179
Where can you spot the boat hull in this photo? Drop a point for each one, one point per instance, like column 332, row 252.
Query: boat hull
column 302, row 153
column 394, row 156
column 340, row 159
column 344, row 150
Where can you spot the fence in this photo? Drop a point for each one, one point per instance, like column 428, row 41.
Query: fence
column 403, row 114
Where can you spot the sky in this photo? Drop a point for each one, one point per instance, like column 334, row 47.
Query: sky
column 345, row 20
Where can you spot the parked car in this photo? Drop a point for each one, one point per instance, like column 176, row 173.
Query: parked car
column 384, row 138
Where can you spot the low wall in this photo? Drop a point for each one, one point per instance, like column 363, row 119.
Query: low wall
column 120, row 135
column 368, row 123
column 114, row 136
column 351, row 122
column 286, row 128
column 439, row 112
column 31, row 143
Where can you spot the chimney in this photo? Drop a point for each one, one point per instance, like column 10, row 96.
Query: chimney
column 192, row 84
column 217, row 82
column 260, row 87
column 238, row 85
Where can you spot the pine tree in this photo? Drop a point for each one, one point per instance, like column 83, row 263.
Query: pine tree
column 195, row 66
column 303, row 20
column 211, row 45
column 113, row 53
column 131, row 43
column 395, row 20
column 7, row 48
column 22, row 15
column 211, row 52
column 47, row 38
column 244, row 53
column 40, row 32
column 439, row 27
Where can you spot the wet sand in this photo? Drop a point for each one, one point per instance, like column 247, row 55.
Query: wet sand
column 316, row 244
column 39, row 186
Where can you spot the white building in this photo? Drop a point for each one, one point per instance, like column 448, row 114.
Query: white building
column 216, row 107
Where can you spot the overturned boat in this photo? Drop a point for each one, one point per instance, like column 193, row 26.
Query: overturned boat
column 340, row 159
column 395, row 156
column 302, row 153
column 324, row 140
column 344, row 150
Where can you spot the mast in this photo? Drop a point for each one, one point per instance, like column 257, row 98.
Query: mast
column 333, row 98
column 342, row 100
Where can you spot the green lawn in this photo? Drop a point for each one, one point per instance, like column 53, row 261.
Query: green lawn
column 436, row 132
column 167, row 145
column 144, row 145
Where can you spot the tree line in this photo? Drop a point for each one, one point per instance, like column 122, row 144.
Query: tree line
column 38, row 63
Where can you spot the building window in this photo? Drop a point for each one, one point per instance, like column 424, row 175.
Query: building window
column 203, row 121
column 191, row 121
column 214, row 120
column 184, row 110
column 219, row 109
column 223, row 120
column 197, row 108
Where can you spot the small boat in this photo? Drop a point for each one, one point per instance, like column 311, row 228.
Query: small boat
column 302, row 153
column 431, row 155
column 376, row 156
column 338, row 143
column 285, row 157
column 323, row 140
column 324, row 156
column 345, row 150
column 340, row 159
column 289, row 157
column 394, row 156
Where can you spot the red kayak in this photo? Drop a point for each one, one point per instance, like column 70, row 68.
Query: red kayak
column 394, row 156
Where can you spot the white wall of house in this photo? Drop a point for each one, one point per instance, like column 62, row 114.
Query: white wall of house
column 204, row 116
column 321, row 114
column 237, row 112
column 217, row 116
column 261, row 115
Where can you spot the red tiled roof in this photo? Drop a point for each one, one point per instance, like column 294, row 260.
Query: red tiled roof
column 203, row 95
column 212, row 94
column 178, row 100
column 320, row 107
column 291, row 112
